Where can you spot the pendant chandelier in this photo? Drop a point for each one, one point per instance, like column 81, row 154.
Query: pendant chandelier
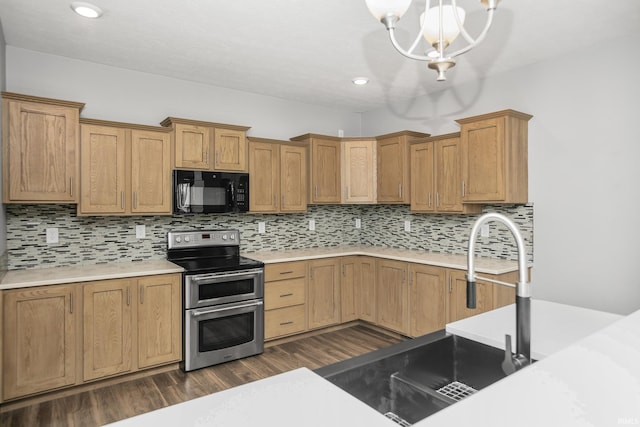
column 439, row 25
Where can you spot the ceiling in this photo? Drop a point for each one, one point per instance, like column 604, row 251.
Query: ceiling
column 306, row 50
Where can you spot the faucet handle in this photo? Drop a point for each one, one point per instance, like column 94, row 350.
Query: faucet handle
column 508, row 366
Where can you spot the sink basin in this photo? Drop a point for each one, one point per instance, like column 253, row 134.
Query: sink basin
column 414, row 379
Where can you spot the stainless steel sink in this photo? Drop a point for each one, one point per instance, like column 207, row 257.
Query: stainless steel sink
column 411, row 380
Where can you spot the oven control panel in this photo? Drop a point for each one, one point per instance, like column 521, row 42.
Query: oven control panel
column 199, row 238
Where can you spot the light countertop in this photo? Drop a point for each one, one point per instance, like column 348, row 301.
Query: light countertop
column 594, row 381
column 84, row 273
column 483, row 265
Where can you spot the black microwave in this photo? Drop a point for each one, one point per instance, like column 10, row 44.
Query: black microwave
column 210, row 192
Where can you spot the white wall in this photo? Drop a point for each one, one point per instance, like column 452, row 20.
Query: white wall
column 584, row 151
column 129, row 96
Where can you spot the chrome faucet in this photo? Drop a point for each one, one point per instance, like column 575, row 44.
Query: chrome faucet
column 522, row 357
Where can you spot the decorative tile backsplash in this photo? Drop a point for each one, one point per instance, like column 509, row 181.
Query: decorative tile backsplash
column 91, row 240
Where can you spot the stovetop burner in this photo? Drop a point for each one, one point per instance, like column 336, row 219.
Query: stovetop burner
column 208, row 251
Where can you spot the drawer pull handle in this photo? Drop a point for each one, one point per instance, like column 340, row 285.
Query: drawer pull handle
column 290, row 322
column 286, row 295
column 286, row 272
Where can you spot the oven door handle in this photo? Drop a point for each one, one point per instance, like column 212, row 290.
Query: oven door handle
column 197, row 313
column 248, row 273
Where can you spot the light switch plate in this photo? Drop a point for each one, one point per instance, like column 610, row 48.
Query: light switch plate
column 261, row 228
column 312, row 225
column 407, row 226
column 358, row 223
column 141, row 231
column 484, row 230
column 52, row 235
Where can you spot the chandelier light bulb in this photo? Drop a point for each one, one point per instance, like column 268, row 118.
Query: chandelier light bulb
column 381, row 8
column 450, row 29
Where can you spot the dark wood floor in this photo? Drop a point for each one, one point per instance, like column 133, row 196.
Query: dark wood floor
column 116, row 402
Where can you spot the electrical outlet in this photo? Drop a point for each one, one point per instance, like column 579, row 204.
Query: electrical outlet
column 141, row 231
column 340, row 133
column 52, row 235
column 484, row 230
column 261, row 228
column 358, row 223
column 407, row 226
column 312, row 225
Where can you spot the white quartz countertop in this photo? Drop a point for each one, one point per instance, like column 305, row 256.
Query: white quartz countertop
column 84, row 273
column 553, row 326
column 483, row 265
column 594, row 381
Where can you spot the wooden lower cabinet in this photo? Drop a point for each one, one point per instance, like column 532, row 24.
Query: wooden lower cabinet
column 428, row 296
column 40, row 337
column 349, row 282
column 285, row 295
column 159, row 320
column 366, row 289
column 392, row 295
column 63, row 335
column 324, row 292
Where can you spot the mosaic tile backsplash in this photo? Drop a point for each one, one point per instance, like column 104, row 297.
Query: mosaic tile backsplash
column 91, row 240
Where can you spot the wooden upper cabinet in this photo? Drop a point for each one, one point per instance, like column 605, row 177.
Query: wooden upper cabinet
column 40, row 326
column 102, row 169
column 495, row 157
column 436, row 176
column 207, row 145
column 125, row 169
column 394, row 167
column 230, row 150
column 40, row 149
column 150, row 172
column 278, row 172
column 359, row 170
column 192, row 146
column 324, row 168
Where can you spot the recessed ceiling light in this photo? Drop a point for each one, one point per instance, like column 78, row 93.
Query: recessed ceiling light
column 360, row 81
column 87, row 10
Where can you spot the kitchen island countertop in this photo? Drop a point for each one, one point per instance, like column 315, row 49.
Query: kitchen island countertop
column 594, row 381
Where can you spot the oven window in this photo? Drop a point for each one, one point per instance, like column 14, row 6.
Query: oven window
column 226, row 289
column 225, row 332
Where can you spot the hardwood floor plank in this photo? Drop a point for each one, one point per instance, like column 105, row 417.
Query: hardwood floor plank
column 115, row 402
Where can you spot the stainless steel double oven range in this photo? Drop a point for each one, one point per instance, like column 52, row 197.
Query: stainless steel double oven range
column 223, row 297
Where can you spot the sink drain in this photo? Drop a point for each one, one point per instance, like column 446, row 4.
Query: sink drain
column 398, row 420
column 456, row 390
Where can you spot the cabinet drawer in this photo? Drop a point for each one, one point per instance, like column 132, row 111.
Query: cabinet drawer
column 285, row 270
column 284, row 293
column 283, row 321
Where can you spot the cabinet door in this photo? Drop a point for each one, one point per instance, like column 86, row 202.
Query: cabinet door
column 349, row 288
column 428, row 298
column 40, row 326
column 192, row 145
column 325, row 171
column 422, row 177
column 159, row 320
column 448, row 175
column 457, row 282
column 366, row 289
column 393, row 296
column 103, row 169
column 293, row 179
column 324, row 292
column 42, row 155
column 230, row 150
column 264, row 171
column 359, row 171
column 107, row 325
column 393, row 170
column 150, row 172
column 483, row 161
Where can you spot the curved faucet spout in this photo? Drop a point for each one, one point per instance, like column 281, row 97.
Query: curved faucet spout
column 523, row 292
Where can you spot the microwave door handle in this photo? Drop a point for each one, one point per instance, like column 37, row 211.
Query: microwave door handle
column 183, row 196
column 233, row 194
